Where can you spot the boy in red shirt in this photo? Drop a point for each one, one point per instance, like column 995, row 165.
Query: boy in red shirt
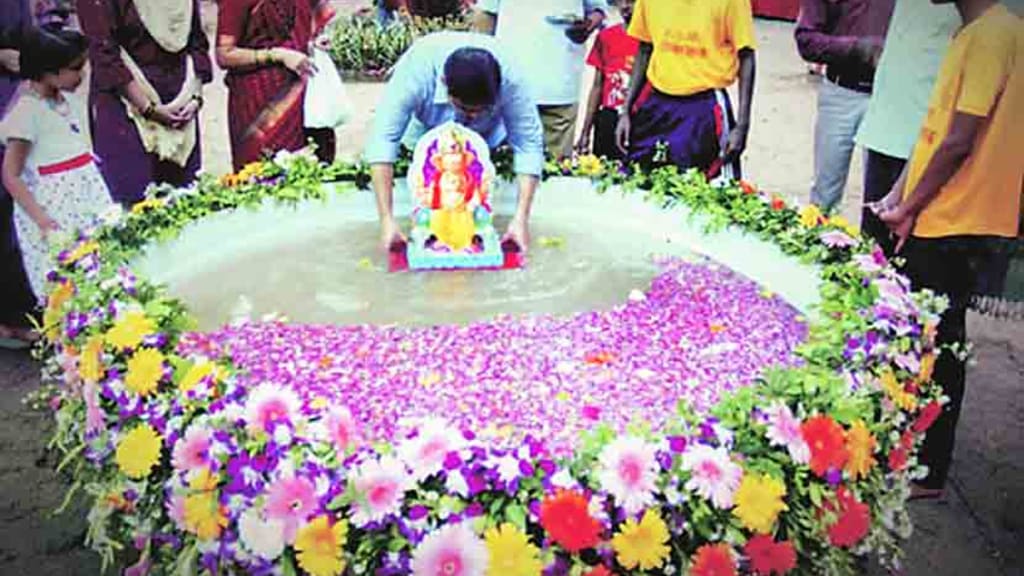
column 612, row 56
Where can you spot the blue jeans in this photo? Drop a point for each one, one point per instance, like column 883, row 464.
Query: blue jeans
column 840, row 111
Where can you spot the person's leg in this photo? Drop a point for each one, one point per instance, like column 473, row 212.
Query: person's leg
column 880, row 174
column 839, row 114
column 605, row 123
column 559, row 129
column 942, row 265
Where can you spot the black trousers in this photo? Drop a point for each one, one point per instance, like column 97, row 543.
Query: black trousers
column 948, row 266
column 605, row 122
column 880, row 174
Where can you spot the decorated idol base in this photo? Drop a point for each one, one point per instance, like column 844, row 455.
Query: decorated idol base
column 451, row 177
column 726, row 385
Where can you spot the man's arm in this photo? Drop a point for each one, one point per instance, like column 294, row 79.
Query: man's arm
column 593, row 103
column 816, row 43
column 637, row 80
column 526, row 137
column 950, row 156
column 738, row 137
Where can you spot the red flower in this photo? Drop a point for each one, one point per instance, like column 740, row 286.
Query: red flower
column 567, row 520
column 927, row 417
column 713, row 560
column 768, row 557
column 778, row 203
column 827, row 443
column 897, row 459
column 599, row 570
column 853, row 523
column 747, row 187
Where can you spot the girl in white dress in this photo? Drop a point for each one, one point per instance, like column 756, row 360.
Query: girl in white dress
column 48, row 167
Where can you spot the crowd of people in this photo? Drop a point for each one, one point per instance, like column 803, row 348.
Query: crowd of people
column 930, row 91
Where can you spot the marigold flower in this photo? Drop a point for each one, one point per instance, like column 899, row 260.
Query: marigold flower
column 145, row 370
column 827, row 443
column 899, row 396
column 195, row 375
column 138, row 452
column 811, row 216
column 511, row 553
column 566, row 518
column 319, row 546
column 759, row 500
column 642, row 544
column 768, row 557
column 713, row 560
column 204, row 515
column 130, row 329
column 90, row 368
column 924, row 373
column 860, row 444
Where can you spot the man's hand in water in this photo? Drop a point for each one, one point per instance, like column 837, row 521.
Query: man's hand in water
column 517, row 238
column 391, row 237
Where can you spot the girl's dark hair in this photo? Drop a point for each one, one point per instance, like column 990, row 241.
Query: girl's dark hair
column 48, row 51
column 473, row 76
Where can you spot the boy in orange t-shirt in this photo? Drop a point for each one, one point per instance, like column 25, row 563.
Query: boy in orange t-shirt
column 960, row 194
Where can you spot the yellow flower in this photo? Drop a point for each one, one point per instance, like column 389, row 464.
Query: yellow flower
column 927, row 367
column 203, row 480
column 130, row 329
column 644, row 543
column 844, row 225
column 810, row 216
column 319, row 547
column 759, row 502
column 145, row 369
column 196, row 374
column 900, row 397
column 860, row 445
column 511, row 553
column 81, row 251
column 89, row 366
column 591, row 165
column 55, row 302
column 138, row 452
column 147, row 204
column 204, row 516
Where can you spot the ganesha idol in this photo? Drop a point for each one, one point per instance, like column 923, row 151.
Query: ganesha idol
column 450, row 178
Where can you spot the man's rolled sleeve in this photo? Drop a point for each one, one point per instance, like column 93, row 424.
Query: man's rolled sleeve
column 525, row 132
column 813, row 40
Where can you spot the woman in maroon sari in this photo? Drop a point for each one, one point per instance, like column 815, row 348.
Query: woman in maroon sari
column 149, row 60
column 265, row 46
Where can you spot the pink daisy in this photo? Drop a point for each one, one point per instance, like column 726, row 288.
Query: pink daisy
column 628, row 471
column 342, row 429
column 380, row 486
column 837, row 239
column 192, row 452
column 784, row 430
column 713, row 475
column 454, row 550
column 424, row 454
column 291, row 500
column 269, row 405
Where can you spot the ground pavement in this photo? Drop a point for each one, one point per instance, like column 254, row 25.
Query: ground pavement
column 976, row 530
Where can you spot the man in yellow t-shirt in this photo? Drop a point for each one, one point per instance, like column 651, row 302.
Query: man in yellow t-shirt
column 678, row 111
column 960, row 194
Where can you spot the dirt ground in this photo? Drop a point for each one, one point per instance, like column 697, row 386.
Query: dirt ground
column 977, row 529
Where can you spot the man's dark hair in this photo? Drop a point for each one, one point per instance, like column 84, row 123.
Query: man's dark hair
column 48, row 51
column 473, row 76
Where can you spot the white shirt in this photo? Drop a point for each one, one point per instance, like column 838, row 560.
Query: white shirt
column 552, row 63
column 919, row 34
column 57, row 132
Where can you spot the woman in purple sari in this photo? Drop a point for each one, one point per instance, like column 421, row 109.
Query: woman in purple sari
column 16, row 299
column 149, row 60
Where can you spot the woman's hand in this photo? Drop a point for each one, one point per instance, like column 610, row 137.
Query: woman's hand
column 299, row 63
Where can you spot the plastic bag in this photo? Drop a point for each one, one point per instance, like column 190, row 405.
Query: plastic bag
column 327, row 104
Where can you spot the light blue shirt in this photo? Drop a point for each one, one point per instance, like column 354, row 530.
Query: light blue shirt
column 919, row 34
column 553, row 62
column 416, row 99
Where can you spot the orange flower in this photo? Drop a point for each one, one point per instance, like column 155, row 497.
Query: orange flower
column 566, row 518
column 826, row 440
column 713, row 560
column 860, row 445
